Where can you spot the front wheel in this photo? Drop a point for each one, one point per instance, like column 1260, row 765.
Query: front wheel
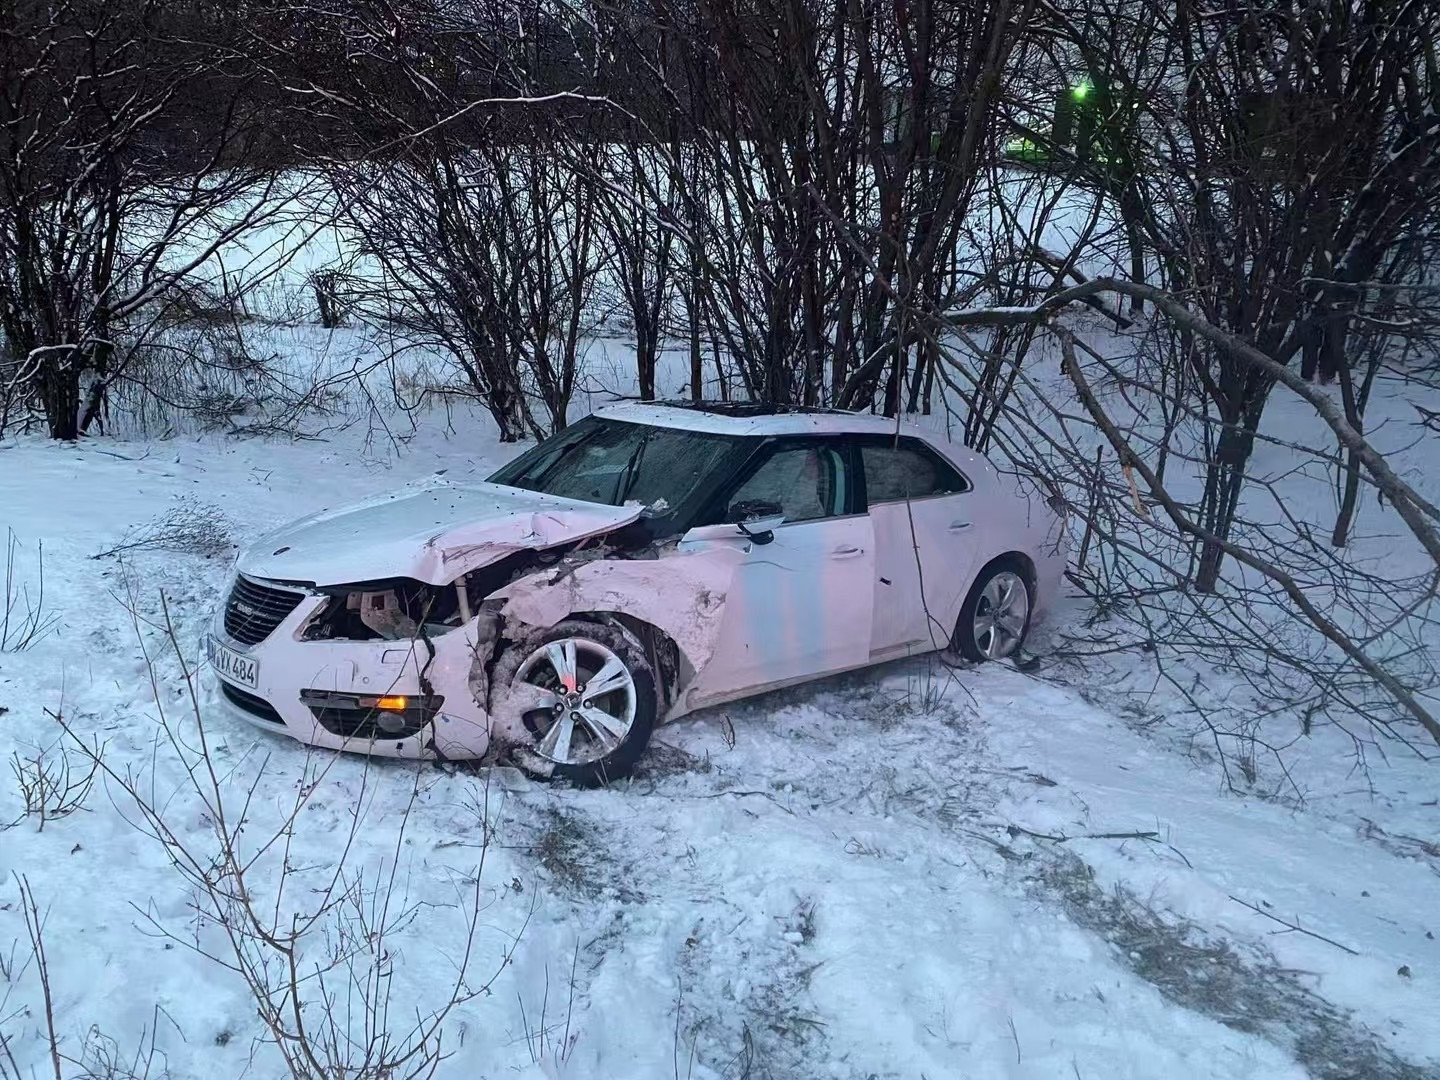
column 995, row 617
column 587, row 699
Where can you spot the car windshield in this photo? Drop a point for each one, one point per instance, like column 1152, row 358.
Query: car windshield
column 614, row 462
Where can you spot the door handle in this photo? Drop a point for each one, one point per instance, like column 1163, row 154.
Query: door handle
column 959, row 526
column 847, row 551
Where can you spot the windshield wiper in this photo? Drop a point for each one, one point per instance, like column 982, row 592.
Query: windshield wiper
column 631, row 472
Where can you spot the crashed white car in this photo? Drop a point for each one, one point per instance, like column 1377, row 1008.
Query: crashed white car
column 646, row 562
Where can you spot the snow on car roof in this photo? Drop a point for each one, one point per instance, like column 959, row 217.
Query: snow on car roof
column 747, row 418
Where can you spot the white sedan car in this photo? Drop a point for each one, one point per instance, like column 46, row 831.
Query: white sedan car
column 646, row 562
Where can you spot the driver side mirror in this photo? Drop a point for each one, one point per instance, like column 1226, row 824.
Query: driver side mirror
column 757, row 530
column 760, row 530
column 747, row 510
column 756, row 518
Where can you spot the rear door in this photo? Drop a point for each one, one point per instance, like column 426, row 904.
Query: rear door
column 920, row 508
column 799, row 606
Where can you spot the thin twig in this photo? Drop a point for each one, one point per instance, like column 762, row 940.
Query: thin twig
column 1017, row 830
column 1294, row 926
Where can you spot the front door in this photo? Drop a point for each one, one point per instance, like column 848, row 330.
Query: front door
column 800, row 605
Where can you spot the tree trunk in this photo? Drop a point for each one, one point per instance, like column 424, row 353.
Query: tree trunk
column 507, row 409
column 645, row 345
column 1350, row 495
column 923, row 366
column 721, row 379
column 1310, row 354
column 697, row 356
column 843, row 345
column 1332, row 349
column 323, row 283
column 1132, row 210
column 895, row 380
column 96, row 397
column 96, row 405
column 1225, row 477
column 1348, row 500
column 60, row 397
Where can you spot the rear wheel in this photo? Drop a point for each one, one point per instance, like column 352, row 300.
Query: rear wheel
column 995, row 617
column 587, row 698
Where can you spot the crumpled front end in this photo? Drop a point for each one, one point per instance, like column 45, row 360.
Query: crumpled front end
column 384, row 627
column 406, row 698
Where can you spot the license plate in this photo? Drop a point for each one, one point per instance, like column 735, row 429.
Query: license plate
column 235, row 667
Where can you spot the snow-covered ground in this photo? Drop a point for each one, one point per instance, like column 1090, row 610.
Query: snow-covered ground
column 915, row 872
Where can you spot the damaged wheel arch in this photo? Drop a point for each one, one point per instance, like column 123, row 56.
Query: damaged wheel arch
column 676, row 601
column 575, row 701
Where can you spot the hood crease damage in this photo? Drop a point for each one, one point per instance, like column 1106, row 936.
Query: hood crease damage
column 432, row 534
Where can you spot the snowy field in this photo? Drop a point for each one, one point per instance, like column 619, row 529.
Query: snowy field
column 915, row 872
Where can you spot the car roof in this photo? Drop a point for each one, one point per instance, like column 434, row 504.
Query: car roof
column 750, row 418
column 758, row 420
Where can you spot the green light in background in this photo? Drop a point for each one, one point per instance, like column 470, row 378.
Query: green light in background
column 1081, row 91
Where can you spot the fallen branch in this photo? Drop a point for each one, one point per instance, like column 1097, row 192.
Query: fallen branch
column 1293, row 589
column 1061, row 265
column 1417, row 512
column 1294, row 926
column 762, row 794
column 1017, row 830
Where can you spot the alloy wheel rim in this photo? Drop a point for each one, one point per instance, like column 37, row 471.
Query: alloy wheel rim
column 578, row 700
column 1000, row 615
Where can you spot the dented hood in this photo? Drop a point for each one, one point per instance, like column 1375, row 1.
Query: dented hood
column 433, row 534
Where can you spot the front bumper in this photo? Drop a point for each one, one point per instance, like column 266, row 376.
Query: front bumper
column 287, row 666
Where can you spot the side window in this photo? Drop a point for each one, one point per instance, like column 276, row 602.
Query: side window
column 804, row 483
column 908, row 471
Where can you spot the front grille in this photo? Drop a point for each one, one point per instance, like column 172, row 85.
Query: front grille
column 253, row 611
column 257, row 707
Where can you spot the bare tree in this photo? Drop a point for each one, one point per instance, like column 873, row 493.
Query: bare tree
column 835, row 153
column 124, row 167
column 445, row 279
column 1277, row 163
column 469, row 190
column 1375, row 625
column 643, row 249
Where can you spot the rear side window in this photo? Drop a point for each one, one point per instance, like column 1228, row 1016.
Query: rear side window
column 910, row 470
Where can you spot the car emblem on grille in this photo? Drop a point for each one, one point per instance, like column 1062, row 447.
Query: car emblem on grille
column 246, row 609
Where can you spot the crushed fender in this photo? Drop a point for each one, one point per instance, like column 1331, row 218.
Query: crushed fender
column 681, row 593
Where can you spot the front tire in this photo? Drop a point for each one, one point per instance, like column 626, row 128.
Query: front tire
column 587, row 700
column 995, row 617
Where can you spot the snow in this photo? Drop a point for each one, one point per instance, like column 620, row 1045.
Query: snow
column 839, row 880
column 999, row 311
column 1314, row 867
column 785, row 423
